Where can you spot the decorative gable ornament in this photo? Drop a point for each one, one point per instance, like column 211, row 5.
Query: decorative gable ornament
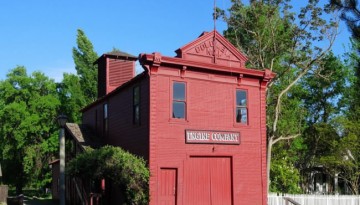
column 212, row 47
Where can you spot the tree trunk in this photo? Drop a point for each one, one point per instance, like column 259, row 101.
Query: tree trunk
column 268, row 162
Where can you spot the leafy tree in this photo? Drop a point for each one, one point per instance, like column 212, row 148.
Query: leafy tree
column 323, row 95
column 71, row 96
column 324, row 102
column 319, row 140
column 28, row 106
column 291, row 45
column 349, row 148
column 84, row 58
column 77, row 91
column 285, row 177
column 350, row 13
column 344, row 158
column 28, row 136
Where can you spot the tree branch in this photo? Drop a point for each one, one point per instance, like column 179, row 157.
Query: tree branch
column 285, row 138
column 301, row 74
column 278, row 103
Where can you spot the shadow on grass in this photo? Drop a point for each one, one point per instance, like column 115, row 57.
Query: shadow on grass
column 39, row 201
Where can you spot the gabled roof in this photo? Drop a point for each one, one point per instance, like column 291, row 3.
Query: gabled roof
column 117, row 54
column 84, row 136
column 210, row 52
column 212, row 47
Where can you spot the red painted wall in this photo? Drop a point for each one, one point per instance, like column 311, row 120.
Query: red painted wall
column 102, row 77
column 121, row 129
column 227, row 174
column 120, row 71
column 210, row 106
column 113, row 71
column 93, row 117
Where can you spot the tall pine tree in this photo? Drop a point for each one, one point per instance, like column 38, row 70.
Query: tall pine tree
column 78, row 90
column 84, row 58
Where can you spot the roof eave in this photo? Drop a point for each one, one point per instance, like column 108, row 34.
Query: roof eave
column 179, row 62
column 133, row 80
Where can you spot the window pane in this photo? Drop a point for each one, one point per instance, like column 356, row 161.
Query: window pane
column 241, row 98
column 241, row 115
column 136, row 114
column 179, row 91
column 105, row 111
column 178, row 110
column 136, row 95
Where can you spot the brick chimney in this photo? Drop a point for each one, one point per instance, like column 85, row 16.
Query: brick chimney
column 114, row 69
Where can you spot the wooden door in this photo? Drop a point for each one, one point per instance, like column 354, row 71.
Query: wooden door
column 197, row 182
column 167, row 186
column 208, row 181
column 221, row 181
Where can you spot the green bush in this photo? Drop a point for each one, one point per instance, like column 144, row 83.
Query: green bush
column 122, row 168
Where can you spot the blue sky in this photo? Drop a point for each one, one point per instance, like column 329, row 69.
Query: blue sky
column 40, row 34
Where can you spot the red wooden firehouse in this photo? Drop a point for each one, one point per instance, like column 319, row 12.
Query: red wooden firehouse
column 197, row 118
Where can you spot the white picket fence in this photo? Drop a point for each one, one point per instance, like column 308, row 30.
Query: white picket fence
column 274, row 199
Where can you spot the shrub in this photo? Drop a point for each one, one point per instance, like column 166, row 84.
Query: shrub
column 121, row 167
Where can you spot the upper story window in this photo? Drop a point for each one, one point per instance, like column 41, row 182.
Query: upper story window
column 136, row 105
column 179, row 100
column 96, row 120
column 105, row 119
column 241, row 107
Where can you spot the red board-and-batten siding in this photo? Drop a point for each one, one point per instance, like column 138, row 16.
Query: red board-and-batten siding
column 114, row 69
column 121, row 130
column 210, row 106
column 211, row 83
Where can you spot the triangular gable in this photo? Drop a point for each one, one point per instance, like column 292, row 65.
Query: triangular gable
column 202, row 50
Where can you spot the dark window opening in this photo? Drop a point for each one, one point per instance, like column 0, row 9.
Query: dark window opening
column 136, row 105
column 96, row 121
column 105, row 119
column 241, row 107
column 179, row 100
